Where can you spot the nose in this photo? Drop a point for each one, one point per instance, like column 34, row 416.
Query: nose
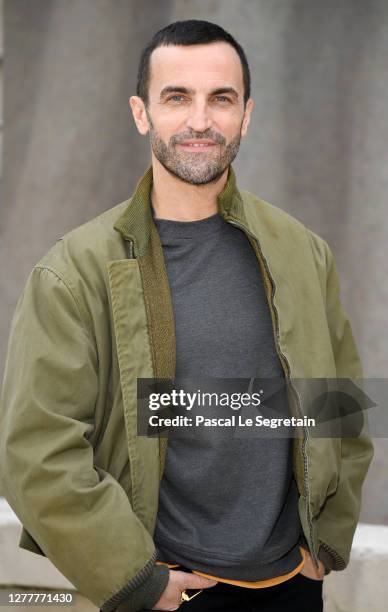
column 199, row 117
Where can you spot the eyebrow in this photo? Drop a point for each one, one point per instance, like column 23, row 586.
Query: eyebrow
column 186, row 90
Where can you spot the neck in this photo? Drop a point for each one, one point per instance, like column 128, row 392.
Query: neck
column 177, row 200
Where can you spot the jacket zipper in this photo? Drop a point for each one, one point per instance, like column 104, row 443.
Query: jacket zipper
column 270, row 289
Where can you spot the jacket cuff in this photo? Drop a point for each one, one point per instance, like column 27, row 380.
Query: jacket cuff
column 330, row 558
column 149, row 575
column 146, row 596
column 327, row 560
column 324, row 555
column 141, row 597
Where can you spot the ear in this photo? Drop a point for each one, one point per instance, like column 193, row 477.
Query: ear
column 139, row 114
column 247, row 117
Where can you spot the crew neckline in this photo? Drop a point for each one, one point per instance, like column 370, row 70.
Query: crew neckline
column 169, row 228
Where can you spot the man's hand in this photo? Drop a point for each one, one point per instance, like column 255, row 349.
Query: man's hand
column 177, row 582
column 310, row 570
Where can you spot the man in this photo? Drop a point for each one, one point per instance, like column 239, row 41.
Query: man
column 190, row 277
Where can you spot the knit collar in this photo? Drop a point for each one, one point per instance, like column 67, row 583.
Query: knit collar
column 135, row 223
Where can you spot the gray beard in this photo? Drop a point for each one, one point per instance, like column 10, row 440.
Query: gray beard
column 192, row 168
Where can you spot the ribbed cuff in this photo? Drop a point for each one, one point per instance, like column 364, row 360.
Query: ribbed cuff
column 330, row 558
column 145, row 596
column 323, row 555
column 327, row 560
column 126, row 594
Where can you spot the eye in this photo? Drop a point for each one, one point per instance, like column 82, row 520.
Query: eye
column 176, row 98
column 222, row 99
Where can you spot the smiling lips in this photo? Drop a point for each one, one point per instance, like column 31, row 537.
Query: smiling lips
column 197, row 145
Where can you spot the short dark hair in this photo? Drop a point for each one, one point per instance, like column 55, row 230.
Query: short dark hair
column 185, row 33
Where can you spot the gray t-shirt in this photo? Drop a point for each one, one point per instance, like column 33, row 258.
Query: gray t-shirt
column 227, row 509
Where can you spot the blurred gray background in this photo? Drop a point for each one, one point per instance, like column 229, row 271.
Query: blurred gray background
column 317, row 146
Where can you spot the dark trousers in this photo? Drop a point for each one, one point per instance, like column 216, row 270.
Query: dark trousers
column 299, row 594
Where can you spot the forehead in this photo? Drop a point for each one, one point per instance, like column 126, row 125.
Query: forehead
column 198, row 66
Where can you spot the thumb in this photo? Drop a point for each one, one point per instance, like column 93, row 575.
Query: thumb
column 199, row 582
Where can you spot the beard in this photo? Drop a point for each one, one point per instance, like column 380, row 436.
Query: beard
column 191, row 167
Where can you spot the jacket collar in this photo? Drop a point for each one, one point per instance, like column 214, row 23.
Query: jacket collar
column 135, row 223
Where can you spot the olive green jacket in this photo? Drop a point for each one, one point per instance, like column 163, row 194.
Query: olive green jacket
column 94, row 316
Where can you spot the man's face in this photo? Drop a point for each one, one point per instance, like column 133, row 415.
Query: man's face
column 196, row 114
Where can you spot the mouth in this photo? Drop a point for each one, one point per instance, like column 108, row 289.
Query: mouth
column 197, row 145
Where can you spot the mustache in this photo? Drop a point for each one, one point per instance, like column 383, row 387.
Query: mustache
column 208, row 135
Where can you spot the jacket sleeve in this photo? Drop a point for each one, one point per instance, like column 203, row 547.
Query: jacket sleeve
column 339, row 517
column 77, row 513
